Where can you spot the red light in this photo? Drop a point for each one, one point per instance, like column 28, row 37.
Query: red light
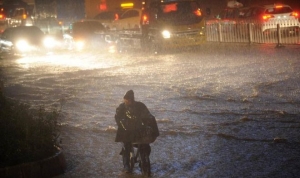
column 170, row 7
column 266, row 17
column 198, row 13
column 145, row 19
column 279, row 6
column 103, row 7
column 295, row 14
column 116, row 16
column 2, row 16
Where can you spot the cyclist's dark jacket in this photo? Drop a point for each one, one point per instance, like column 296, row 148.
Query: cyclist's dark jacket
column 131, row 120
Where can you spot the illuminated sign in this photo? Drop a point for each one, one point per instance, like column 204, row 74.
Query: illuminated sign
column 127, row 5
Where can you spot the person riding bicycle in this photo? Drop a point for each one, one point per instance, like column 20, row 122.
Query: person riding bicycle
column 132, row 116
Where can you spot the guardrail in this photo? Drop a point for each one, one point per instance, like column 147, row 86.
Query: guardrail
column 251, row 32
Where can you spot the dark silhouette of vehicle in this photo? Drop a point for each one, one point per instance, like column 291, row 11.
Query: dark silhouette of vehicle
column 25, row 40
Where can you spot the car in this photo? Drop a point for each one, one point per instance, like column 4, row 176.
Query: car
column 50, row 26
column 25, row 40
column 160, row 25
column 85, row 35
column 268, row 16
column 229, row 20
column 107, row 18
column 21, row 16
column 129, row 19
column 229, row 16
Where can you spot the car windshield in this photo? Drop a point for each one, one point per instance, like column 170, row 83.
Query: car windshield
column 88, row 27
column 26, row 32
column 279, row 10
column 33, row 34
column 109, row 15
column 179, row 13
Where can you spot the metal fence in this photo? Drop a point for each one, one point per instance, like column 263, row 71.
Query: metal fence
column 252, row 32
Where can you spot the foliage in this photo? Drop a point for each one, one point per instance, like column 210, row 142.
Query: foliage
column 26, row 134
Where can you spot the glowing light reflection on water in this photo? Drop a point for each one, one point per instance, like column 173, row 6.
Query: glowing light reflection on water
column 76, row 61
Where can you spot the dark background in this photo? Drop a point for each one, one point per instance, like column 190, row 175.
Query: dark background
column 215, row 5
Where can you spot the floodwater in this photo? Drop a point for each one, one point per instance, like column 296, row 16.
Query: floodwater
column 219, row 108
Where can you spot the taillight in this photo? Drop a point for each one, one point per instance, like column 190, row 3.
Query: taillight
column 145, row 19
column 198, row 12
column 278, row 6
column 295, row 14
column 267, row 16
column 116, row 16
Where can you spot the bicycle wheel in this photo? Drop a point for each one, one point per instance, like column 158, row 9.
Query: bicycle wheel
column 145, row 164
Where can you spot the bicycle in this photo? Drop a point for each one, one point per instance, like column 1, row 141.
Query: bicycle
column 139, row 155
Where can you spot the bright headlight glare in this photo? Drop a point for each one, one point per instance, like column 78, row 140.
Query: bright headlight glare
column 79, row 45
column 49, row 42
column 22, row 45
column 166, row 34
column 67, row 36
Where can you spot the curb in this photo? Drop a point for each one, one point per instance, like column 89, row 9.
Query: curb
column 49, row 167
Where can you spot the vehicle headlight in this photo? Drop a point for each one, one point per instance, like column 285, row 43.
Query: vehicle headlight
column 22, row 45
column 67, row 36
column 49, row 42
column 166, row 34
column 79, row 45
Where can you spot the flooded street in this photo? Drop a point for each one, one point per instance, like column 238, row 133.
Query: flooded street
column 219, row 108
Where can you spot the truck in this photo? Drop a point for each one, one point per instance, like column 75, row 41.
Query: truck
column 161, row 24
column 67, row 11
column 63, row 12
column 15, row 13
column 54, row 14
